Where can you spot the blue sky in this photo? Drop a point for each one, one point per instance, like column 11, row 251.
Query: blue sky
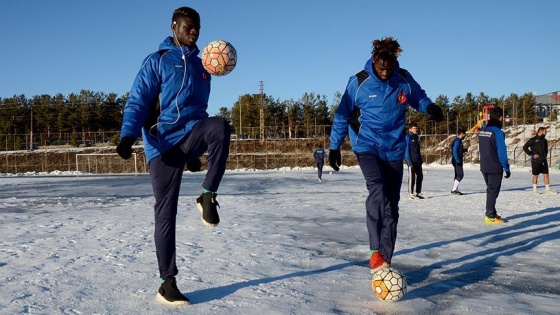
column 295, row 46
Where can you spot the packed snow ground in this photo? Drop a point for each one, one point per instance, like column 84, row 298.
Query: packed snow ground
column 83, row 244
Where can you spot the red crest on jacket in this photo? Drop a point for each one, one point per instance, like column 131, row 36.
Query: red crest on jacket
column 401, row 98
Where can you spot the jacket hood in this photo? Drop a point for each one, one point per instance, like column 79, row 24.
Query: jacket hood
column 168, row 44
column 369, row 69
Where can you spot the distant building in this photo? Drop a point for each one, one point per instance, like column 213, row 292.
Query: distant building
column 546, row 103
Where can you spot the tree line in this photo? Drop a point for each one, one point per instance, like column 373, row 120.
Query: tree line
column 52, row 118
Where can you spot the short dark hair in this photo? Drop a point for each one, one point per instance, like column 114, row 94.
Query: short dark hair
column 496, row 113
column 461, row 130
column 412, row 124
column 186, row 12
column 541, row 128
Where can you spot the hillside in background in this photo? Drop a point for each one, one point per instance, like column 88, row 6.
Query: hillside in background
column 515, row 139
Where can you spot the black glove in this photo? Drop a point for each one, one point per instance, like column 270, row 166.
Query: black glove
column 435, row 112
column 508, row 174
column 124, row 148
column 335, row 159
column 194, row 166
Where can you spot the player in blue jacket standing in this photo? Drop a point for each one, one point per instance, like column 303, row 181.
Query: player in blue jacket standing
column 372, row 111
column 414, row 161
column 319, row 155
column 167, row 104
column 457, row 151
column 493, row 162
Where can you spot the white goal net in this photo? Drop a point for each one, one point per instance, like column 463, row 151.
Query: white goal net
column 105, row 163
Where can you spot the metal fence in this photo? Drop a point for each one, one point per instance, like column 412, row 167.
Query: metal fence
column 244, row 154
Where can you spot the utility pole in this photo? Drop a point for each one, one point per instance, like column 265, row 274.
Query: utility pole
column 31, row 133
column 262, row 112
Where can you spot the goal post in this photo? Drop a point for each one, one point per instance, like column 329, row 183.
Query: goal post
column 104, row 163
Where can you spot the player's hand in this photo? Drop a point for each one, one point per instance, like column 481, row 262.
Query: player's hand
column 508, row 174
column 435, row 112
column 335, row 159
column 536, row 156
column 124, row 148
column 194, row 166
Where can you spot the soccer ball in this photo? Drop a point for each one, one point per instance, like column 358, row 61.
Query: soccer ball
column 219, row 57
column 388, row 284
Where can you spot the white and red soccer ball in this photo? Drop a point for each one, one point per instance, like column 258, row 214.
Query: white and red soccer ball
column 219, row 57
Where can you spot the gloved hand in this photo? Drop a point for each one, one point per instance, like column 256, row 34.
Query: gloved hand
column 124, row 148
column 335, row 159
column 435, row 112
column 508, row 174
column 194, row 166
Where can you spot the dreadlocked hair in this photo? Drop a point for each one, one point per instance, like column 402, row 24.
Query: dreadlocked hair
column 387, row 49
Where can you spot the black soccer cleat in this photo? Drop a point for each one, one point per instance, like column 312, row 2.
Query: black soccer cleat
column 456, row 192
column 207, row 205
column 169, row 294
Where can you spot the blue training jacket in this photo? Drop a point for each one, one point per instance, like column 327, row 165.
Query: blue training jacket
column 493, row 150
column 382, row 117
column 457, row 149
column 319, row 155
column 182, row 87
column 412, row 152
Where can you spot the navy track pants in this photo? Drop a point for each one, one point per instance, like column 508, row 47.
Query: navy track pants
column 383, row 182
column 493, row 185
column 166, row 171
column 320, row 170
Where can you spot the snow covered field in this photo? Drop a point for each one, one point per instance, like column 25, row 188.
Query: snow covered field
column 286, row 245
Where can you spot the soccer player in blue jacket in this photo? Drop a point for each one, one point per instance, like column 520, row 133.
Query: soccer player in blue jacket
column 175, row 133
column 457, row 150
column 414, row 161
column 493, row 162
column 372, row 111
column 319, row 155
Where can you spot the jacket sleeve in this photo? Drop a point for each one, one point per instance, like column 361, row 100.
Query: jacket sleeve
column 527, row 146
column 143, row 94
column 418, row 98
column 502, row 150
column 342, row 115
column 407, row 151
column 456, row 151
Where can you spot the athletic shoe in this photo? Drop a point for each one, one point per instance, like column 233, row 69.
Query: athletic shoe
column 420, row 196
column 207, row 204
column 413, row 197
column 320, row 180
column 456, row 192
column 377, row 262
column 535, row 192
column 550, row 192
column 496, row 220
column 169, row 294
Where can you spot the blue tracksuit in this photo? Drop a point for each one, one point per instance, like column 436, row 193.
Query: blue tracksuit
column 181, row 133
column 414, row 160
column 493, row 162
column 319, row 155
column 373, row 114
column 457, row 150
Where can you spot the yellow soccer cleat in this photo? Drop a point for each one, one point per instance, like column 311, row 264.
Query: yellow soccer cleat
column 496, row 220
